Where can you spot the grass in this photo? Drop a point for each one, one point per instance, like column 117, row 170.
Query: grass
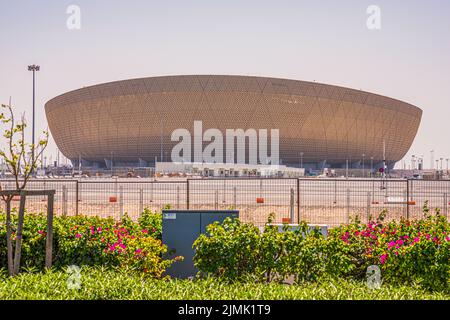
column 107, row 284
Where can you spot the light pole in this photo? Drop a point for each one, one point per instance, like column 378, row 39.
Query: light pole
column 441, row 162
column 301, row 159
column 33, row 68
column 447, row 164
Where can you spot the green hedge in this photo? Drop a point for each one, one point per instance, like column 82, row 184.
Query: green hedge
column 106, row 283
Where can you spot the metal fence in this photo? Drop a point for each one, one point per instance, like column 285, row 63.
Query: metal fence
column 320, row 201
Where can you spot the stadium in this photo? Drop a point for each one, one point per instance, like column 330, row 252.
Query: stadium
column 129, row 123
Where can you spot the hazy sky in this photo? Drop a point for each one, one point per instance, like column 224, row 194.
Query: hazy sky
column 326, row 41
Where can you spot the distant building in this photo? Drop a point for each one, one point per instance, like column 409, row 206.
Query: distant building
column 228, row 170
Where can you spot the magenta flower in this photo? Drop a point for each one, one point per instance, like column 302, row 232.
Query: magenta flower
column 391, row 244
column 383, row 258
column 138, row 251
column 78, row 235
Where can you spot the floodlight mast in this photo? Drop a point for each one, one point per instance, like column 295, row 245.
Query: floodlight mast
column 33, row 68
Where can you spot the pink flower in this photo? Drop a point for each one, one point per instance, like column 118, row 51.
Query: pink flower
column 122, row 246
column 78, row 235
column 144, row 231
column 99, row 229
column 138, row 251
column 400, row 242
column 391, row 244
column 383, row 258
column 416, row 239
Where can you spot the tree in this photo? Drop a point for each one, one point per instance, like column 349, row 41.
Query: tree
column 19, row 160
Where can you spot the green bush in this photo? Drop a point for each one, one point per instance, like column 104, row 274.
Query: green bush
column 228, row 249
column 236, row 250
column 151, row 221
column 406, row 251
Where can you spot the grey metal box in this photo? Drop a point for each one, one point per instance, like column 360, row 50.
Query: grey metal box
column 180, row 228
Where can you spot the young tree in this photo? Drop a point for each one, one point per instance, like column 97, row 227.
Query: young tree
column 18, row 158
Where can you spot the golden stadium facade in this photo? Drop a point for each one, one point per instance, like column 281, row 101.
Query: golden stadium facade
column 129, row 123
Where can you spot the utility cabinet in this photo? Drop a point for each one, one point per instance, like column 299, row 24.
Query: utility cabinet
column 180, row 228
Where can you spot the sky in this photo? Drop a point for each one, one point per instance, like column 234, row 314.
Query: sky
column 407, row 58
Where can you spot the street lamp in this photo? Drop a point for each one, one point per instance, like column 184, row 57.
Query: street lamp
column 33, row 68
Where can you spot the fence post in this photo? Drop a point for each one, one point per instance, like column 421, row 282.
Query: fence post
column 151, row 191
column 446, row 205
column 141, row 201
column 121, row 201
column 292, row 205
column 224, row 191
column 369, row 196
column 260, row 187
column 347, row 218
column 64, row 200
column 216, row 200
column 234, row 198
column 178, row 197
column 187, row 194
column 77, row 199
column 407, row 199
column 298, row 200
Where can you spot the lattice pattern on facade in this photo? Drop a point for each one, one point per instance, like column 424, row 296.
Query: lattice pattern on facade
column 126, row 119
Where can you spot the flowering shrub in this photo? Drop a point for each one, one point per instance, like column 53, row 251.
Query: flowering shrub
column 85, row 240
column 406, row 251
